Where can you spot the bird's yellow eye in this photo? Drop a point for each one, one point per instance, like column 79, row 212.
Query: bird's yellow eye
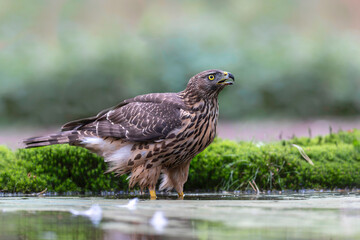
column 211, row 77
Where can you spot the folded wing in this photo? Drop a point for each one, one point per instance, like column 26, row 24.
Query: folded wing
column 144, row 118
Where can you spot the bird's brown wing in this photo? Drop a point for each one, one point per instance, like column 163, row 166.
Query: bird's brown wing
column 144, row 118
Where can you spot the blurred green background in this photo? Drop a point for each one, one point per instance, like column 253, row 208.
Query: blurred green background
column 61, row 60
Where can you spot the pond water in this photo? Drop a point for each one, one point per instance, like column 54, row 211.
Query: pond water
column 198, row 216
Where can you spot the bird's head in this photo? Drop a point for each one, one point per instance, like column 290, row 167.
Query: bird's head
column 210, row 82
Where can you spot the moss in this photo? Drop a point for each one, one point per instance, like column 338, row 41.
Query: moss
column 229, row 166
column 14, row 176
column 59, row 168
column 347, row 137
column 224, row 165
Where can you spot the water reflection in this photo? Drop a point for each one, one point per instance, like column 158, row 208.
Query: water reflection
column 46, row 225
column 59, row 225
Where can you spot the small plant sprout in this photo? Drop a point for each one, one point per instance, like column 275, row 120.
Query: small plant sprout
column 303, row 154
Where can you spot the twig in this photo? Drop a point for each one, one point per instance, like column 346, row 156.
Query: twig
column 257, row 189
column 42, row 192
column 252, row 186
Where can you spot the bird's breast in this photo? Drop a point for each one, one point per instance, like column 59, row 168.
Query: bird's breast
column 198, row 130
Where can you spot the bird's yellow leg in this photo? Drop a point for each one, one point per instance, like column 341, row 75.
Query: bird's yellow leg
column 152, row 194
column 181, row 195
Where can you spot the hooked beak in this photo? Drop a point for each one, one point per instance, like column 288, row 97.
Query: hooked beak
column 227, row 80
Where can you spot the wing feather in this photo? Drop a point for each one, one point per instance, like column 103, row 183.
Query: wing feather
column 143, row 118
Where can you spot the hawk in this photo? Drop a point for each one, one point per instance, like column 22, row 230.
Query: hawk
column 151, row 135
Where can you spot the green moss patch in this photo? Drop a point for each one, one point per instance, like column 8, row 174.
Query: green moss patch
column 224, row 165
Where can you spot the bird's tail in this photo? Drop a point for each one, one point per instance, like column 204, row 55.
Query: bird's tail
column 69, row 137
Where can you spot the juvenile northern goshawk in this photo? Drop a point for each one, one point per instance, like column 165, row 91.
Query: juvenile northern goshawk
column 152, row 134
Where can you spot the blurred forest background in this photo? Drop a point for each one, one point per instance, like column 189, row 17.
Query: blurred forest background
column 61, row 60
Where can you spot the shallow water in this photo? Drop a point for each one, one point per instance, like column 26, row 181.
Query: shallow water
column 199, row 216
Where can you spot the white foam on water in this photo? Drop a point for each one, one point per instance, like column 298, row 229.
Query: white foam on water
column 159, row 221
column 94, row 213
column 131, row 205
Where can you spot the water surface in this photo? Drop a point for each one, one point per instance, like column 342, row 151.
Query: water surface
column 198, row 216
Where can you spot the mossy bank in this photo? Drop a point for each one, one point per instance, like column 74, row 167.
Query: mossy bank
column 224, row 165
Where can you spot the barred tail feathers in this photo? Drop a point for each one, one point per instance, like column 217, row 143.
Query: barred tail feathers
column 69, row 137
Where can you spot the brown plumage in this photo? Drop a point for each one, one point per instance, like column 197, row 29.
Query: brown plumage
column 151, row 134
